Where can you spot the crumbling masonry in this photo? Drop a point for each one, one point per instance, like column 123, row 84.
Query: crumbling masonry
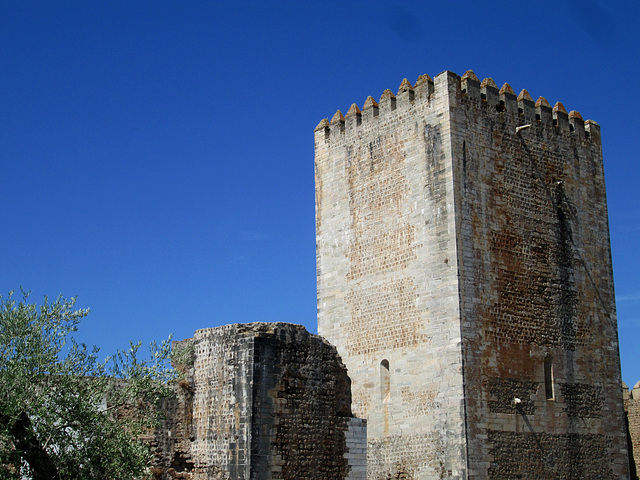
column 260, row 401
column 464, row 279
column 632, row 410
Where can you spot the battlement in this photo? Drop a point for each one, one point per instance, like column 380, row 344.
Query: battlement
column 521, row 109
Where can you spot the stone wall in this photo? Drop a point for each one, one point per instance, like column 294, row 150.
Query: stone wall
column 538, row 307
column 387, row 282
column 260, row 401
column 632, row 410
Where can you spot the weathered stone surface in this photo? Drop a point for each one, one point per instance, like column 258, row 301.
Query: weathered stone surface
column 632, row 410
column 464, row 275
column 387, row 285
column 261, row 401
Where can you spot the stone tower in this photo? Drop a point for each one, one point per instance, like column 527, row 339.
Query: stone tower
column 464, row 274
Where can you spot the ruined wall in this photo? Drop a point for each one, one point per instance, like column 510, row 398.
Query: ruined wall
column 387, row 281
column 301, row 408
column 174, row 436
column 261, row 401
column 632, row 410
column 538, row 308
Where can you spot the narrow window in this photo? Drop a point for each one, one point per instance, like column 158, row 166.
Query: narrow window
column 548, row 378
column 385, row 381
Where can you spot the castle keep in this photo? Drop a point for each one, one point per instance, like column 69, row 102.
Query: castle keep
column 464, row 275
column 465, row 297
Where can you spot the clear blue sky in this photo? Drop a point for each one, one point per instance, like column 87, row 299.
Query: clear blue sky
column 157, row 157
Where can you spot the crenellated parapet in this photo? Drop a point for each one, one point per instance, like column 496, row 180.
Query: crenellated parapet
column 407, row 96
column 519, row 109
column 523, row 110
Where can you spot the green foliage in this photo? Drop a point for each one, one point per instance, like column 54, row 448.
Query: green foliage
column 183, row 354
column 63, row 413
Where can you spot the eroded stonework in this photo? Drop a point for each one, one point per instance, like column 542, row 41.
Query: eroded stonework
column 464, row 275
column 260, row 401
column 632, row 410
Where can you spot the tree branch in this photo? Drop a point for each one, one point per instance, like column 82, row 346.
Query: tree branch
column 29, row 447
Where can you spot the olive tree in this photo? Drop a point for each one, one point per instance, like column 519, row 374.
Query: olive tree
column 65, row 414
